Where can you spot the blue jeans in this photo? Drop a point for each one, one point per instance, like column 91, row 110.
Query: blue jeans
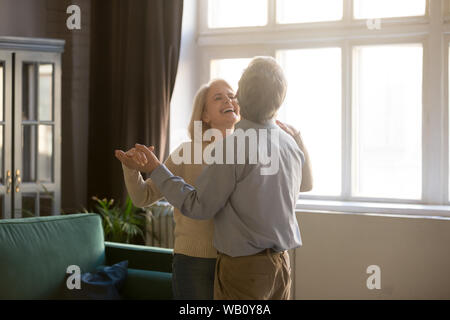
column 193, row 278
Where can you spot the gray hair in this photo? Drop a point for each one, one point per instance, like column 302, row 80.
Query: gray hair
column 262, row 89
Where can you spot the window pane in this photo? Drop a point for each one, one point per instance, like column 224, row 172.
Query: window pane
column 313, row 105
column 46, row 204
column 229, row 69
column 365, row 9
column 45, row 92
column 297, row 11
column 388, row 121
column 28, row 205
column 2, row 102
column 237, row 13
column 29, row 153
column 45, row 160
column 29, row 92
column 1, row 155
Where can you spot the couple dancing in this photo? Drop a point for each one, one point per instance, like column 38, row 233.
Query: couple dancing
column 233, row 225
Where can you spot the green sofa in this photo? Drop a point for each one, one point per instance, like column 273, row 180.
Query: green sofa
column 35, row 254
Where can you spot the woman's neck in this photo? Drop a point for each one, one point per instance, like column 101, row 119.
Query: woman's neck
column 225, row 132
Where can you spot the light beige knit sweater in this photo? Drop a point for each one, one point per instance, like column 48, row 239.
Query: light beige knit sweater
column 192, row 237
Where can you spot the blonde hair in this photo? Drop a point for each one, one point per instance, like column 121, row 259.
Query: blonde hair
column 262, row 89
column 199, row 107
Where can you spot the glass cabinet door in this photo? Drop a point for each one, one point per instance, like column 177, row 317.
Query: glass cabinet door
column 6, row 181
column 37, row 134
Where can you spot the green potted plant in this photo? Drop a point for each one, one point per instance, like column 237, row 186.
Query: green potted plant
column 121, row 224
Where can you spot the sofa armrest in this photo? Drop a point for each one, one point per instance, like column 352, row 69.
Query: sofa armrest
column 139, row 257
column 147, row 285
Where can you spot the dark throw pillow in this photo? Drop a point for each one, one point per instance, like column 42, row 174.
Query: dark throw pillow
column 103, row 284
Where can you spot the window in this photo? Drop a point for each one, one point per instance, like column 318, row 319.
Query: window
column 313, row 98
column 388, row 121
column 301, row 11
column 229, row 69
column 366, row 9
column 237, row 13
column 366, row 96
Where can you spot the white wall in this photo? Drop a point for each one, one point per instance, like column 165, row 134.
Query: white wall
column 186, row 84
column 412, row 253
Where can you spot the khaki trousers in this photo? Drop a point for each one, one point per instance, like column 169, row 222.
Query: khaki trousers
column 263, row 276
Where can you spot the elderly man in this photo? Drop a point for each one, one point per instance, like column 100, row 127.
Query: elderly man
column 254, row 218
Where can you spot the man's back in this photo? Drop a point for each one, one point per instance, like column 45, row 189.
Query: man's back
column 259, row 213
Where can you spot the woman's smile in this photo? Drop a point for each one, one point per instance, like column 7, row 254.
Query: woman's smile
column 230, row 109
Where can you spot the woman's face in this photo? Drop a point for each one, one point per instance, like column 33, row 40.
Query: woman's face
column 221, row 109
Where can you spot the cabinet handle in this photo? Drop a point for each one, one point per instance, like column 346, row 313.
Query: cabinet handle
column 18, row 180
column 8, row 181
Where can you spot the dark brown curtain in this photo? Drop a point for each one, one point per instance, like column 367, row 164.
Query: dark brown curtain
column 135, row 47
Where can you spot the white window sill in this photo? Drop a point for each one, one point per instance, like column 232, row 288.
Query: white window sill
column 375, row 208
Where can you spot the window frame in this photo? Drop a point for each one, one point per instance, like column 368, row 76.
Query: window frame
column 432, row 31
column 347, row 22
column 446, row 112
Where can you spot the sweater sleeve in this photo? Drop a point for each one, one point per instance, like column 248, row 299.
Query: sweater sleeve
column 144, row 193
column 307, row 179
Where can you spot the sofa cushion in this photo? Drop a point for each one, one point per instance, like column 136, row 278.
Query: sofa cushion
column 35, row 253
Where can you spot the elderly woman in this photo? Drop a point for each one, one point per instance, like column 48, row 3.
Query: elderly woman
column 194, row 253
column 253, row 215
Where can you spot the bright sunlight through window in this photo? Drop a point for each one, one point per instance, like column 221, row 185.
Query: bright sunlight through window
column 388, row 121
column 235, row 13
column 300, row 11
column 313, row 105
column 229, row 69
column 366, row 9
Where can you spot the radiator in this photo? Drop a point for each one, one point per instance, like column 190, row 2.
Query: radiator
column 159, row 225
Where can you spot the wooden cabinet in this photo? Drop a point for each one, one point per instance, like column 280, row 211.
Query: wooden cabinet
column 30, row 127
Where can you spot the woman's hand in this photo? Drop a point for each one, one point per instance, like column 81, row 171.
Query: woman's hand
column 137, row 156
column 133, row 158
column 288, row 129
column 307, row 179
column 151, row 162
